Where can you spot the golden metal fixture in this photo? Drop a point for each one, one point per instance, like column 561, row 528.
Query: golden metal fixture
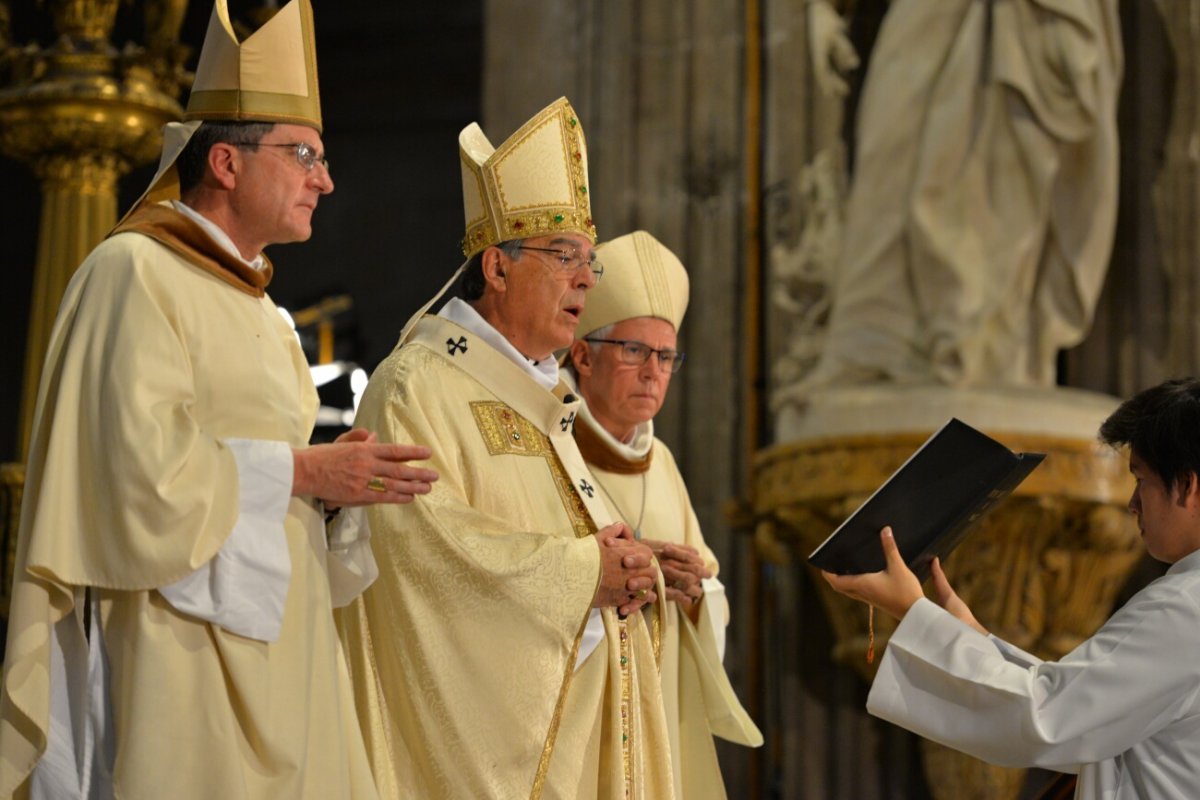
column 82, row 114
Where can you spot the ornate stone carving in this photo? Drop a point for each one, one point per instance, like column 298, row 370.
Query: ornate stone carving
column 953, row 272
column 800, row 275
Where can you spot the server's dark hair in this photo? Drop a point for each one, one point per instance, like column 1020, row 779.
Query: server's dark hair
column 1161, row 425
column 194, row 158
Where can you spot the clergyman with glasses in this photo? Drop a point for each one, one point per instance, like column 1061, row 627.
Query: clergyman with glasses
column 501, row 653
column 171, row 631
column 621, row 363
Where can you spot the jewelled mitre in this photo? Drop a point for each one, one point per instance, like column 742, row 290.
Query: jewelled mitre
column 270, row 77
column 642, row 278
column 534, row 184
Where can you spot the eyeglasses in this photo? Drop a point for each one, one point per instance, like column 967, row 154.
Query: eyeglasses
column 639, row 353
column 305, row 153
column 570, row 260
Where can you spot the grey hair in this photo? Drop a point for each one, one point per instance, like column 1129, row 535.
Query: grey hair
column 599, row 333
column 472, row 283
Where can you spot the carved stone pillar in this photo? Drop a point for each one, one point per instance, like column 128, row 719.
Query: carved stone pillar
column 1041, row 570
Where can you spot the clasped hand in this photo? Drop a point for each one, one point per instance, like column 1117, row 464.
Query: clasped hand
column 683, row 570
column 627, row 571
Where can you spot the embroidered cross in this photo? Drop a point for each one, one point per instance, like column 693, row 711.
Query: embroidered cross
column 586, row 488
column 565, row 422
column 453, row 347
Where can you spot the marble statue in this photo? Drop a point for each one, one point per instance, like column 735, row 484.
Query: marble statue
column 983, row 197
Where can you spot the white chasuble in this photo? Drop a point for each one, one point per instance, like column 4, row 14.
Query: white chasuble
column 463, row 653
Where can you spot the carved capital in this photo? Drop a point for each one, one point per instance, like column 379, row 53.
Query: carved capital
column 88, row 174
column 84, row 20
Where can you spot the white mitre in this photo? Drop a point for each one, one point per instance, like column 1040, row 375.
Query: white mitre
column 642, row 278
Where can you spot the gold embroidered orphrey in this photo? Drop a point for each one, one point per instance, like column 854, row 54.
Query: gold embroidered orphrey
column 505, row 432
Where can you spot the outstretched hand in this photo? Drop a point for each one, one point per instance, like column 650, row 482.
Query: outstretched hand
column 894, row 590
column 343, row 472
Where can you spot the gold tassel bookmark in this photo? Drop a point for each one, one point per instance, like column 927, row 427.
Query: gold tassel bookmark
column 870, row 634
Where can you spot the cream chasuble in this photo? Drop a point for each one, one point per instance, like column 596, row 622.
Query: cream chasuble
column 153, row 363
column 463, row 652
column 697, row 697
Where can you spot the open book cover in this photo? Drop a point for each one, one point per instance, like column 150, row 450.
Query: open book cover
column 931, row 502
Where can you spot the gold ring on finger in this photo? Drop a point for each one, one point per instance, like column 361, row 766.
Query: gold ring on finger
column 641, row 593
column 376, row 484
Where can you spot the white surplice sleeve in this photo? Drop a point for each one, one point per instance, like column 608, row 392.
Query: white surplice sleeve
column 243, row 588
column 945, row 681
column 352, row 567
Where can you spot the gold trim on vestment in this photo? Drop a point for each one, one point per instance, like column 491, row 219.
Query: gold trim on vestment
column 539, row 779
column 626, row 655
column 505, row 432
column 656, row 626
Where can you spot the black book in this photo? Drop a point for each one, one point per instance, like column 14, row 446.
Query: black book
column 931, row 502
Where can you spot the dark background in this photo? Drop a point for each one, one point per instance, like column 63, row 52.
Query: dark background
column 398, row 82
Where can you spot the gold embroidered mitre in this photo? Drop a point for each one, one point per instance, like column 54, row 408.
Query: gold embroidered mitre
column 270, row 77
column 534, row 184
column 642, row 278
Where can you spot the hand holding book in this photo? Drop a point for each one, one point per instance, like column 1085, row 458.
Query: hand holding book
column 896, row 588
column 930, row 502
column 892, row 590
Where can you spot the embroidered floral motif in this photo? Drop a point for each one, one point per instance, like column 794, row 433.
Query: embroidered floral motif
column 505, row 432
